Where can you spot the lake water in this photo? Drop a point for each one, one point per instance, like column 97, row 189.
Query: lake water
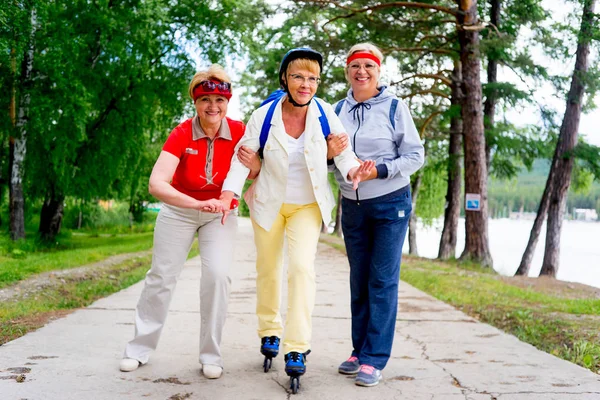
column 579, row 251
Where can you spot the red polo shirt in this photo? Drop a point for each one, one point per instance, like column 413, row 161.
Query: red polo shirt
column 203, row 162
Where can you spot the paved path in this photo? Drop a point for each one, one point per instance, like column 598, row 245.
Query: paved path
column 439, row 352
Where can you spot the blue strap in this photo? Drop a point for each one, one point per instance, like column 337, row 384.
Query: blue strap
column 393, row 107
column 323, row 120
column 338, row 107
column 266, row 126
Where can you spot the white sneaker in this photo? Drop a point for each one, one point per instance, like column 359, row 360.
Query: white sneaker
column 212, row 371
column 129, row 364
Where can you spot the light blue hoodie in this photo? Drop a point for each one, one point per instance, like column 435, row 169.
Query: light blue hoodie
column 397, row 152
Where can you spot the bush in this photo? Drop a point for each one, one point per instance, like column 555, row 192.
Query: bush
column 116, row 219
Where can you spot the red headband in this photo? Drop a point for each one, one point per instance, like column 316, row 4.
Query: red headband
column 212, row 87
column 363, row 55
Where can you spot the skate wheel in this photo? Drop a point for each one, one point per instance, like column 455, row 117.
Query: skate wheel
column 294, row 385
column 267, row 364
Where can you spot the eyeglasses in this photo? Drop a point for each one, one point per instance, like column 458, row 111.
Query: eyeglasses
column 366, row 66
column 209, row 86
column 299, row 79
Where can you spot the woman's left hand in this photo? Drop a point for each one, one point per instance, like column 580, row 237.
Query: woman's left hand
column 362, row 173
column 250, row 160
column 212, row 206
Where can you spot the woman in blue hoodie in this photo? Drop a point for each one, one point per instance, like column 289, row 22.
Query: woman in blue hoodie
column 375, row 216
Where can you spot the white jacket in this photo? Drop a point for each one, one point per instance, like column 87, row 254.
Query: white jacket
column 267, row 193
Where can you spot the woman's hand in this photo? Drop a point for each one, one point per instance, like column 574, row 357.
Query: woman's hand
column 225, row 200
column 336, row 143
column 212, row 206
column 362, row 173
column 250, row 160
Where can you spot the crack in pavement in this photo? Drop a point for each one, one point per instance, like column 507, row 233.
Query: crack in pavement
column 466, row 391
column 532, row 392
column 289, row 392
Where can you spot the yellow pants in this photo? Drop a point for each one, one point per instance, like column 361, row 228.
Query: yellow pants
column 302, row 226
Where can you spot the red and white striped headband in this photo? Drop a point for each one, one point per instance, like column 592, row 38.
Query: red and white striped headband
column 363, row 55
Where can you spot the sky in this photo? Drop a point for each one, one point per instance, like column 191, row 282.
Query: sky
column 546, row 94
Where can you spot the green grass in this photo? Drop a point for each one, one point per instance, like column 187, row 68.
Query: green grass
column 484, row 290
column 25, row 258
column 555, row 323
column 19, row 317
column 27, row 314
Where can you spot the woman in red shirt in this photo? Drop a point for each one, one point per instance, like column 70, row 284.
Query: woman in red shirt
column 187, row 178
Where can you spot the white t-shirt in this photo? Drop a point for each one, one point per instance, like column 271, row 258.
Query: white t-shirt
column 299, row 187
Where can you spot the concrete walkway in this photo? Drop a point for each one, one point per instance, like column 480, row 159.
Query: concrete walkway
column 439, row 352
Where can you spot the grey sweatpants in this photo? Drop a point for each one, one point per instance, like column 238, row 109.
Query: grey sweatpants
column 174, row 234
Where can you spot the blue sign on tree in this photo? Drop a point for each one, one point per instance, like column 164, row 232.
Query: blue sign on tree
column 472, row 202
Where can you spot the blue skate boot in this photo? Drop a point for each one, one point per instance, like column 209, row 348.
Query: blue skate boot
column 295, row 367
column 269, row 347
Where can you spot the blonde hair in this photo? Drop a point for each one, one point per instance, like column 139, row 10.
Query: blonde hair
column 305, row 63
column 364, row 48
column 214, row 72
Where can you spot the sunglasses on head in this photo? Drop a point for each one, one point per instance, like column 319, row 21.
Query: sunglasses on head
column 209, row 86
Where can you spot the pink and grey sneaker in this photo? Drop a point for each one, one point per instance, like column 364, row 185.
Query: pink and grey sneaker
column 367, row 376
column 350, row 366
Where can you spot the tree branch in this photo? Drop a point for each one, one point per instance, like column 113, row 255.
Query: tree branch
column 399, row 4
column 446, row 81
column 421, row 49
column 428, row 121
column 405, row 4
column 429, row 91
column 426, row 37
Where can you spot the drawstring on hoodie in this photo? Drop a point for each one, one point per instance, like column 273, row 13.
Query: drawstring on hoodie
column 358, row 113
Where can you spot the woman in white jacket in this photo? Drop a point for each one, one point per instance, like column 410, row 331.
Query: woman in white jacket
column 291, row 196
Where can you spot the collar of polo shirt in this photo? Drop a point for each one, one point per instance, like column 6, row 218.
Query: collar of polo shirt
column 198, row 133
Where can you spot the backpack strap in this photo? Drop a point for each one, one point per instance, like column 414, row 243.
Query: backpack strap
column 323, row 120
column 393, row 107
column 266, row 127
column 338, row 107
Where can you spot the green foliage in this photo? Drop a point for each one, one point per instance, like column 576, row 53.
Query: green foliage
column 523, row 193
column 243, row 209
column 583, row 353
column 115, row 219
column 110, row 82
column 432, row 193
column 514, row 148
column 588, row 158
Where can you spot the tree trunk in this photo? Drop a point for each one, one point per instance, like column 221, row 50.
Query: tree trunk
column 452, row 213
column 338, row 216
column 12, row 112
column 18, row 144
column 537, row 226
column 412, row 222
column 476, row 227
column 136, row 208
column 489, row 108
column 567, row 141
column 323, row 228
column 51, row 216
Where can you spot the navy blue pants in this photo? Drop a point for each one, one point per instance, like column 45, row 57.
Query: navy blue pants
column 374, row 232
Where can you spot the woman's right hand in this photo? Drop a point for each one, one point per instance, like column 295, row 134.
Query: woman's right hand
column 336, row 143
column 250, row 159
column 212, row 206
